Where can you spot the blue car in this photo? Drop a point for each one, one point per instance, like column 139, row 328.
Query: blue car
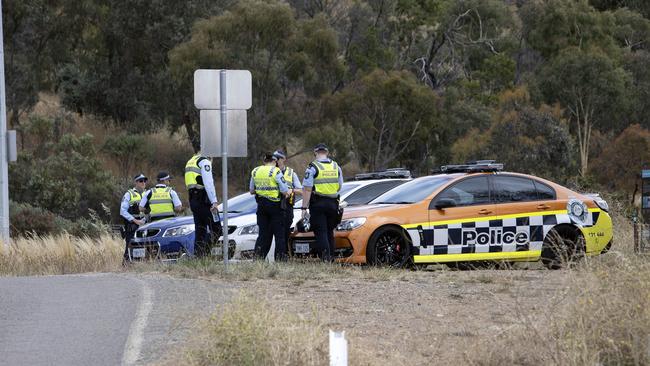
column 174, row 237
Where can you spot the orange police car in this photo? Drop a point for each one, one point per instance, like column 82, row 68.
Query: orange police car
column 473, row 212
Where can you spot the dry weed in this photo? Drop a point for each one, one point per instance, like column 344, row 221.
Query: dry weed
column 60, row 254
column 259, row 270
column 249, row 331
column 600, row 317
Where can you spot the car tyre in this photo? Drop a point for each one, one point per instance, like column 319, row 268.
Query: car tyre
column 562, row 245
column 389, row 247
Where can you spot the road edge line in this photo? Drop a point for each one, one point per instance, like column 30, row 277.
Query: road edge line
column 134, row 340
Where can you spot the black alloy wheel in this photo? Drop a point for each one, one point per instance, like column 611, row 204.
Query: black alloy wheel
column 562, row 246
column 388, row 247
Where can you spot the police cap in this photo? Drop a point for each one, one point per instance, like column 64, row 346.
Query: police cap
column 163, row 176
column 140, row 177
column 321, row 147
column 279, row 154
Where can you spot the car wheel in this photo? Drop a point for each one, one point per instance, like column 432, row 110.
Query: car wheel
column 562, row 246
column 388, row 247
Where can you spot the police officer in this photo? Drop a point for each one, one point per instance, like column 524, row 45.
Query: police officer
column 268, row 186
column 293, row 183
column 203, row 202
column 321, row 186
column 161, row 200
column 130, row 212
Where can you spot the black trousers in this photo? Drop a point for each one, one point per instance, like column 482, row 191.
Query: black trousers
column 270, row 224
column 129, row 231
column 206, row 230
column 287, row 217
column 323, row 220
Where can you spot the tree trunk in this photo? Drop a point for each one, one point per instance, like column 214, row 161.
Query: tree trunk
column 191, row 134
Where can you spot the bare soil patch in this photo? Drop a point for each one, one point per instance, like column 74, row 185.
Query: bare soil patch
column 424, row 317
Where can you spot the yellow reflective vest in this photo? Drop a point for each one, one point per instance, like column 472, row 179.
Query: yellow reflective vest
column 161, row 203
column 288, row 177
column 326, row 182
column 193, row 172
column 265, row 184
column 134, row 202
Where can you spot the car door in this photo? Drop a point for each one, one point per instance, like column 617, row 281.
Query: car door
column 463, row 227
column 524, row 207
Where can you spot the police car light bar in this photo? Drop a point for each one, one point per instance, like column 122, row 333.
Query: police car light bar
column 385, row 174
column 473, row 167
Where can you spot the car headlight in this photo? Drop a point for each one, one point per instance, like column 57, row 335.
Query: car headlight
column 602, row 204
column 251, row 229
column 351, row 224
column 577, row 209
column 179, row 230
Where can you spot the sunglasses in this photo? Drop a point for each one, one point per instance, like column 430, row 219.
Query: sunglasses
column 141, row 181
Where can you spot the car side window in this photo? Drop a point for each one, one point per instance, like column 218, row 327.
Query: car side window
column 471, row 191
column 368, row 193
column 514, row 189
column 544, row 192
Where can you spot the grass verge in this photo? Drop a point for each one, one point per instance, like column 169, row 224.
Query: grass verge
column 248, row 331
column 601, row 316
column 255, row 270
column 60, row 254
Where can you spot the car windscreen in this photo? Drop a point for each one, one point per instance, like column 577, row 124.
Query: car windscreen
column 242, row 203
column 413, row 191
column 368, row 193
column 345, row 188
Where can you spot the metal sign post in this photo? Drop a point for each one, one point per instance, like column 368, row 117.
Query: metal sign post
column 234, row 91
column 4, row 161
column 224, row 161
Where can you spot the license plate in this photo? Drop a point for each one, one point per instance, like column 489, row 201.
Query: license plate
column 138, row 252
column 301, row 248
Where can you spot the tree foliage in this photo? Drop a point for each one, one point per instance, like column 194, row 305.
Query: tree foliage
column 525, row 139
column 592, row 89
column 417, row 83
column 621, row 160
column 68, row 181
column 292, row 61
column 385, row 112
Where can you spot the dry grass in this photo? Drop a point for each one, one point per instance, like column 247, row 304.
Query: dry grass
column 260, row 270
column 249, row 331
column 60, row 254
column 601, row 316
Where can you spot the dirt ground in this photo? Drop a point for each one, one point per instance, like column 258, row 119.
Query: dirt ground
column 421, row 317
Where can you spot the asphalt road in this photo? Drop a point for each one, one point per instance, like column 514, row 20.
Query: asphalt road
column 100, row 319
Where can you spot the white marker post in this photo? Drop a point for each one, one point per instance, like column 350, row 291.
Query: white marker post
column 224, row 161
column 338, row 349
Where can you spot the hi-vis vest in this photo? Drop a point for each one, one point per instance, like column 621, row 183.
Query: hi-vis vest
column 265, row 184
column 134, row 202
column 288, row 177
column 161, row 203
column 326, row 182
column 193, row 172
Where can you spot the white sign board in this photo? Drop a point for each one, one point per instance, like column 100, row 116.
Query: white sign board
column 211, row 133
column 238, row 96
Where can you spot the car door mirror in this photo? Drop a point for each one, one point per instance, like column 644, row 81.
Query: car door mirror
column 343, row 204
column 445, row 203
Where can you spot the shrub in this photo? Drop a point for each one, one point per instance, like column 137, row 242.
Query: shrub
column 28, row 220
column 251, row 332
